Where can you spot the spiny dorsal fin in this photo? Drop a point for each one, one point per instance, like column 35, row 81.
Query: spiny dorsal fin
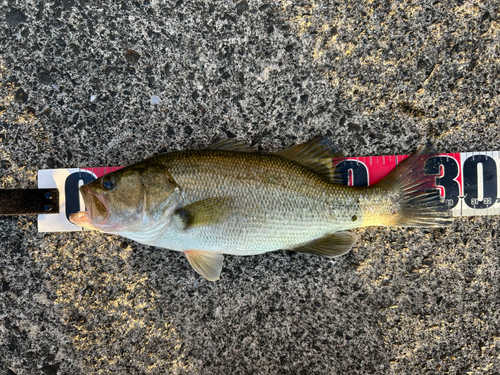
column 206, row 263
column 232, row 144
column 317, row 155
column 208, row 211
column 330, row 245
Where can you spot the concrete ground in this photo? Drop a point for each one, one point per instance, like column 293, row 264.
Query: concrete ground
column 96, row 83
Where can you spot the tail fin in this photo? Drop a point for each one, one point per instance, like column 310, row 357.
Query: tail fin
column 418, row 202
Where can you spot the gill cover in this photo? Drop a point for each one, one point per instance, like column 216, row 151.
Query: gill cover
column 160, row 191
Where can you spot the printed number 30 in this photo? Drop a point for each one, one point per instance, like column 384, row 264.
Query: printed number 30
column 471, row 181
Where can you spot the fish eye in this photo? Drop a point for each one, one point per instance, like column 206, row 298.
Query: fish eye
column 108, row 182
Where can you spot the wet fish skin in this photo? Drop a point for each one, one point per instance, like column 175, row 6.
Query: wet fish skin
column 230, row 199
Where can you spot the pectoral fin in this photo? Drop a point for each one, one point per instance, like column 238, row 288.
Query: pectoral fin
column 330, row 245
column 205, row 212
column 206, row 263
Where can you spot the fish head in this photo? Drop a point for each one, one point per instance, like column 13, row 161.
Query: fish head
column 131, row 199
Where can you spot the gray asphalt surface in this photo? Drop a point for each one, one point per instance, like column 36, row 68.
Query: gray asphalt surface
column 78, row 87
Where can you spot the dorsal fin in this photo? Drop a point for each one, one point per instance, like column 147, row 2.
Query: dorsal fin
column 317, row 155
column 232, row 144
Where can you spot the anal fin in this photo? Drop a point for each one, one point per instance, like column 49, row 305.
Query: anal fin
column 208, row 264
column 330, row 245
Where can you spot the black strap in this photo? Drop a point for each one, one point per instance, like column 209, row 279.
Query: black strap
column 29, row 201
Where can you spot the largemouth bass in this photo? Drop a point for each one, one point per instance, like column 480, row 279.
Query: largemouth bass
column 232, row 199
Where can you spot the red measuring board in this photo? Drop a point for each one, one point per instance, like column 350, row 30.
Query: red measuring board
column 468, row 183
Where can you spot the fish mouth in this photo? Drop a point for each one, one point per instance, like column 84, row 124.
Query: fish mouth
column 97, row 211
column 96, row 205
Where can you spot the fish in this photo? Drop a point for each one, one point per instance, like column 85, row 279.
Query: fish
column 231, row 199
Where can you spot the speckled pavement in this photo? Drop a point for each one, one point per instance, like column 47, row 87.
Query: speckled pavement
column 96, row 83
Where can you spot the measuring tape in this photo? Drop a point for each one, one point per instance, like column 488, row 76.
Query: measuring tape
column 468, row 183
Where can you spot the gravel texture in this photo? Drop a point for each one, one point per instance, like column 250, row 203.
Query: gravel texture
column 96, row 83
